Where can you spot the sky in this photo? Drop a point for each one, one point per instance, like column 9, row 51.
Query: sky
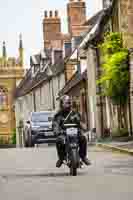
column 25, row 17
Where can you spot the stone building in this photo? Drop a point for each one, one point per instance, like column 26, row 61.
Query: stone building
column 122, row 19
column 50, row 69
column 76, row 15
column 11, row 73
column 76, row 75
column 116, row 16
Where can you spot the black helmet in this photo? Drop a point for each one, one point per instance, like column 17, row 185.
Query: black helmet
column 65, row 102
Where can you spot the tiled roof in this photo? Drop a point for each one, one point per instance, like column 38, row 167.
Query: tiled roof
column 29, row 82
column 76, row 79
column 91, row 21
column 95, row 34
column 36, row 59
column 58, row 67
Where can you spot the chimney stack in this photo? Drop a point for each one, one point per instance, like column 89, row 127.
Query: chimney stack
column 51, row 27
column 76, row 13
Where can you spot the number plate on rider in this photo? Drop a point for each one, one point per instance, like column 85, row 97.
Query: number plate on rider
column 72, row 131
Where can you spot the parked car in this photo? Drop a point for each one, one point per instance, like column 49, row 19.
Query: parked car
column 38, row 129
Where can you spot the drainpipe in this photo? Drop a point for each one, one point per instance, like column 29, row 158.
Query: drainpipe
column 86, row 107
column 99, row 89
column 53, row 98
column 34, row 101
column 78, row 62
column 129, row 99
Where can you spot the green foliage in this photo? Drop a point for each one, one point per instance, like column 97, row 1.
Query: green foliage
column 123, row 132
column 115, row 76
column 13, row 138
column 3, row 141
column 104, row 140
column 112, row 43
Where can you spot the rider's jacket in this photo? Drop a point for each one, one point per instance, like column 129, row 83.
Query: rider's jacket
column 71, row 117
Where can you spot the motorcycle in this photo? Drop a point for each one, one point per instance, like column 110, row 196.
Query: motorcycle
column 71, row 132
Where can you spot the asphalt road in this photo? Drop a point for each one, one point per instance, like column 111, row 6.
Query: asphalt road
column 30, row 174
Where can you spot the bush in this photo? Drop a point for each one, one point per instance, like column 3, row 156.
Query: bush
column 13, row 138
column 3, row 141
column 123, row 132
column 104, row 140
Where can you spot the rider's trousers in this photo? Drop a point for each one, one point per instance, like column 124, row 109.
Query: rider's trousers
column 60, row 146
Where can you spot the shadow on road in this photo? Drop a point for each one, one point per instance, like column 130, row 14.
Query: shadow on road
column 41, row 175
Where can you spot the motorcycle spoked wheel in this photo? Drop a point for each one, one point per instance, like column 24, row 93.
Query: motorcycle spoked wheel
column 73, row 171
column 74, row 162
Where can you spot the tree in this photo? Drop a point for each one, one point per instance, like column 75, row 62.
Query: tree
column 114, row 78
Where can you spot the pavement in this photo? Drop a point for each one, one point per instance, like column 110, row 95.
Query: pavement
column 122, row 147
column 30, row 174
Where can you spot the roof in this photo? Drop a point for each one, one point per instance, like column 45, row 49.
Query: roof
column 94, row 35
column 76, row 79
column 97, row 21
column 29, row 82
column 58, row 67
column 36, row 59
column 91, row 21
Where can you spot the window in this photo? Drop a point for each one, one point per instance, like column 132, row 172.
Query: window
column 3, row 97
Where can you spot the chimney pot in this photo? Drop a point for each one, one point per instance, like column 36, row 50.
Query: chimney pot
column 45, row 14
column 56, row 13
column 51, row 13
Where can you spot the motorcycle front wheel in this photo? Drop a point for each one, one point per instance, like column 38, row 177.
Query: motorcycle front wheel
column 73, row 171
column 74, row 162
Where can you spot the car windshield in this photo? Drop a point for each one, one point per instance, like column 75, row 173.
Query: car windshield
column 42, row 117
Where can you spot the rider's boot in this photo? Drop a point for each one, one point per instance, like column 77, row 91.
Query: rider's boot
column 86, row 161
column 59, row 163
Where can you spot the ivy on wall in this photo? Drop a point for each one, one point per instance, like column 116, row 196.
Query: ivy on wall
column 115, row 75
column 114, row 79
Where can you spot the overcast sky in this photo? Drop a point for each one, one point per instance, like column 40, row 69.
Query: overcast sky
column 25, row 16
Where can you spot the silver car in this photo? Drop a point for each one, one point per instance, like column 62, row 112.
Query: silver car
column 38, row 129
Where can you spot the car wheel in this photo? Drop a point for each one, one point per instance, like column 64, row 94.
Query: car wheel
column 25, row 140
column 29, row 142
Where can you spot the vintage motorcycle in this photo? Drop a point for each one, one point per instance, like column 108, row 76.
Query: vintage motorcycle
column 71, row 139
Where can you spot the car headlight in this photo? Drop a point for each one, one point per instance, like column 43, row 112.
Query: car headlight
column 35, row 127
column 50, row 126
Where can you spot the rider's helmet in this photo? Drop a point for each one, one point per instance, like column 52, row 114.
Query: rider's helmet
column 65, row 103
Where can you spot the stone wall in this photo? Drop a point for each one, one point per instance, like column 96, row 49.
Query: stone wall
column 93, row 98
column 126, row 21
column 131, row 90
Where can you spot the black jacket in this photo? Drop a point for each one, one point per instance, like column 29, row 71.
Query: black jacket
column 71, row 117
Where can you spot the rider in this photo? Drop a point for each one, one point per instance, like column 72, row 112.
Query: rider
column 72, row 116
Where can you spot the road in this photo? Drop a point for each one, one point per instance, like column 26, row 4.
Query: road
column 30, row 174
